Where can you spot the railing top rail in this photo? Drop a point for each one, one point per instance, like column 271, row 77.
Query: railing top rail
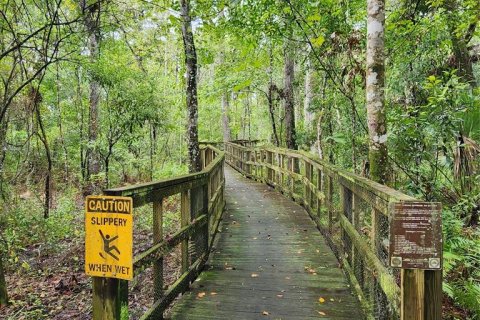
column 150, row 187
column 381, row 191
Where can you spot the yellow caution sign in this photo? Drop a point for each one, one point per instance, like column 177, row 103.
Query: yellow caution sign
column 109, row 237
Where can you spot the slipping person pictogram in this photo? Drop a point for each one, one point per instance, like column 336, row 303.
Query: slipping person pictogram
column 107, row 247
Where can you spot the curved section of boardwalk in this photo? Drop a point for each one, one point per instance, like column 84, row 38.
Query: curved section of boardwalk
column 269, row 262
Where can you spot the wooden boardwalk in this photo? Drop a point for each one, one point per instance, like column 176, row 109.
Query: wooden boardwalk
column 269, row 262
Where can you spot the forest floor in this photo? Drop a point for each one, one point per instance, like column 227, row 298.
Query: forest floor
column 48, row 280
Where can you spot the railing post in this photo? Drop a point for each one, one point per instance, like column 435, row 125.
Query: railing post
column 198, row 206
column 319, row 192
column 255, row 160
column 185, row 220
column 307, row 194
column 329, row 202
column 202, row 158
column 158, row 264
column 248, row 166
column 291, row 180
column 345, row 210
column 357, row 263
column 379, row 232
column 269, row 170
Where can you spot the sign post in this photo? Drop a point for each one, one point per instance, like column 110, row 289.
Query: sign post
column 416, row 248
column 108, row 251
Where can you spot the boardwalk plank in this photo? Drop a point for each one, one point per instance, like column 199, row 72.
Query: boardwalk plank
column 269, row 262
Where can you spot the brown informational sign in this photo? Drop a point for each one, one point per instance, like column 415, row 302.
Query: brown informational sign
column 416, row 235
column 109, row 237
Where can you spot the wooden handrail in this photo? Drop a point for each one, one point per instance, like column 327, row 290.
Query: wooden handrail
column 202, row 203
column 353, row 213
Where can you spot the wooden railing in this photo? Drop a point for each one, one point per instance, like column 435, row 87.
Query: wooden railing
column 353, row 214
column 202, row 203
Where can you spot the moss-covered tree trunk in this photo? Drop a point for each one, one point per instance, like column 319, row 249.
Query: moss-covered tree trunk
column 192, row 98
column 376, row 118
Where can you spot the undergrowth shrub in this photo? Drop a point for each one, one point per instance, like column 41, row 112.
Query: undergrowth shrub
column 461, row 262
column 24, row 228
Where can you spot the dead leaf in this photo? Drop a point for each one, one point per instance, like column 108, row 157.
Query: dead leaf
column 322, row 313
column 213, row 293
column 321, row 300
column 265, row 313
column 201, row 294
column 254, row 275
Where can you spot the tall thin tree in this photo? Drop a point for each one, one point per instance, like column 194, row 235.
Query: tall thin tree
column 91, row 13
column 192, row 98
column 375, row 83
column 227, row 135
column 289, row 103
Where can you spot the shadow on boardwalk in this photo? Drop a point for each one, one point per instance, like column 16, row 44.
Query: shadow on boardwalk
column 269, row 262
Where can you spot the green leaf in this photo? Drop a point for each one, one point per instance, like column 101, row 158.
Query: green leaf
column 315, row 17
column 242, row 85
column 317, row 42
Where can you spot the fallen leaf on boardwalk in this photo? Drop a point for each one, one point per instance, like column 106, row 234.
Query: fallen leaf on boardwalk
column 265, row 313
column 321, row 300
column 213, row 293
column 254, row 275
column 322, row 313
column 331, row 299
column 288, row 278
column 201, row 294
column 280, row 295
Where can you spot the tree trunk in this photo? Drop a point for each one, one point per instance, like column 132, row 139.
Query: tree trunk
column 462, row 59
column 43, row 137
column 3, row 285
column 308, row 116
column 192, row 99
column 92, row 24
column 227, row 135
column 289, row 103
column 271, row 112
column 375, row 84
column 319, row 135
column 3, row 151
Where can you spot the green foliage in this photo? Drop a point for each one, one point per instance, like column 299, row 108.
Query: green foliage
column 26, row 229
column 461, row 262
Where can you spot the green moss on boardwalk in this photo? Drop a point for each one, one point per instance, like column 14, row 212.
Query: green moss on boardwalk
column 270, row 262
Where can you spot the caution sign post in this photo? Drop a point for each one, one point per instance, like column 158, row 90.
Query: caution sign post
column 109, row 237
